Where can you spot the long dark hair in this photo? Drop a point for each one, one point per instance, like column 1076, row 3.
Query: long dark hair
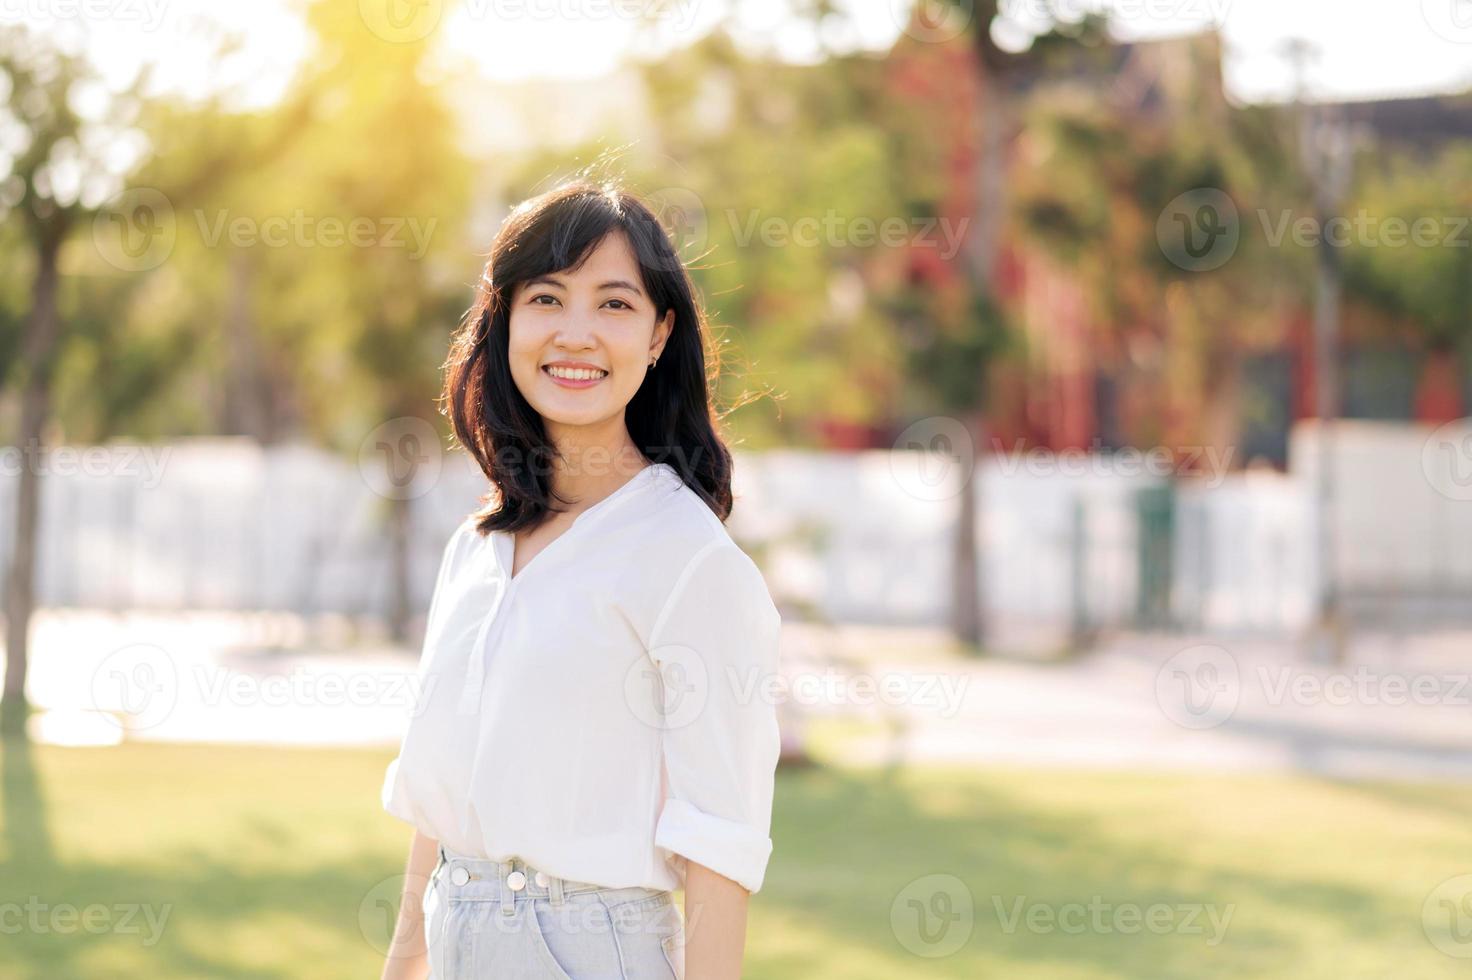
column 670, row 418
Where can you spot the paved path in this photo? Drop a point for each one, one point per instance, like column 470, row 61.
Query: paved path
column 1402, row 707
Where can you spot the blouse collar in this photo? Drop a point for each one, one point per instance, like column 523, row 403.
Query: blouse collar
column 504, row 541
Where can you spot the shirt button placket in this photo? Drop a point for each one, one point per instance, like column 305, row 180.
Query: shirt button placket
column 475, row 670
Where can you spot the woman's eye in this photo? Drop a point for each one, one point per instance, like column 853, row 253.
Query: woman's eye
column 542, row 296
column 621, row 303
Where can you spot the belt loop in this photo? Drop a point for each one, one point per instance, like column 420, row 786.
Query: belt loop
column 554, row 889
column 508, row 897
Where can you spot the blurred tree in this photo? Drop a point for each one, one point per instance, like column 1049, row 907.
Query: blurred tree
column 166, row 325
column 782, row 253
column 1095, row 184
column 1413, row 263
column 316, row 272
column 958, row 321
column 364, row 327
column 64, row 115
column 70, row 178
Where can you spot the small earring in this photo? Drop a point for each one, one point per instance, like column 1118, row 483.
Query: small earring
column 655, row 361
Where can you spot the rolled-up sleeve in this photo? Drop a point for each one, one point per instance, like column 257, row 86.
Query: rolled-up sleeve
column 715, row 644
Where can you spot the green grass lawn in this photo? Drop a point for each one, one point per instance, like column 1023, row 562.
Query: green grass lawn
column 279, row 863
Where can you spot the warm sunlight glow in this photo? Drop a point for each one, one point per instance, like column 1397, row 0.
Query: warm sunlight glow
column 1369, row 50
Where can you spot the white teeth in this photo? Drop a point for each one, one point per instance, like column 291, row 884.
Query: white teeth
column 575, row 374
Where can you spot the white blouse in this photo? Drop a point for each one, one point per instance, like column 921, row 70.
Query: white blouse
column 607, row 713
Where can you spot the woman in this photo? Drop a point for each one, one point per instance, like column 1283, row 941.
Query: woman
column 594, row 726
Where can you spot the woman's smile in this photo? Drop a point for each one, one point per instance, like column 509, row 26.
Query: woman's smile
column 570, row 375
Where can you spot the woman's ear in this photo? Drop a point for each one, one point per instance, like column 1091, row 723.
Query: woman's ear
column 662, row 331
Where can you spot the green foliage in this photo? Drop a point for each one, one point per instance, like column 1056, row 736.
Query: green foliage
column 1421, row 276
column 953, row 358
column 1095, row 182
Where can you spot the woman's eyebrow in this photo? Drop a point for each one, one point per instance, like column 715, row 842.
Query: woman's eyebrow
column 611, row 284
column 622, row 284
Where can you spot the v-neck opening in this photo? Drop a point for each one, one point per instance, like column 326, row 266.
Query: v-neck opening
column 513, row 577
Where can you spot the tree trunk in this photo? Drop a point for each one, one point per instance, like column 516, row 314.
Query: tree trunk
column 247, row 398
column 993, row 121
column 40, row 343
column 982, row 242
column 968, row 614
column 1222, row 416
column 400, row 518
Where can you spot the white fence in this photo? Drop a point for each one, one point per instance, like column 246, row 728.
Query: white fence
column 863, row 537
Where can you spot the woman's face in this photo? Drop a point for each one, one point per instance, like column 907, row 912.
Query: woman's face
column 581, row 342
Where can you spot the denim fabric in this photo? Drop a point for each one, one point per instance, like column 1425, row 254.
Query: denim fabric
column 479, row 927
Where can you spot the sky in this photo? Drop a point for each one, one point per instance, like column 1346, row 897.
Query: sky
column 1367, row 48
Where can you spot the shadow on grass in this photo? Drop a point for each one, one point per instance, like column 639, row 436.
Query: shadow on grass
column 849, row 850
column 24, row 805
column 846, row 849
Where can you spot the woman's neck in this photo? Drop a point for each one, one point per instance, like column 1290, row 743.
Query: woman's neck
column 593, row 465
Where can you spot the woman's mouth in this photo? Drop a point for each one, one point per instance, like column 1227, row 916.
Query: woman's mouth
column 569, row 377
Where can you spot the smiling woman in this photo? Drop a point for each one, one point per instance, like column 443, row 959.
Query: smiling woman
column 592, row 732
column 583, row 281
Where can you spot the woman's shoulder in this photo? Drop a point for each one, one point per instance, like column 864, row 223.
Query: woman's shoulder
column 692, row 538
column 707, row 583
column 681, row 519
column 460, row 539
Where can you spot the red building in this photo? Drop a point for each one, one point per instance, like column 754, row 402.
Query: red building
column 1086, row 384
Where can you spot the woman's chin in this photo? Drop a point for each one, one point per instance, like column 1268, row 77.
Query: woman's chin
column 565, row 415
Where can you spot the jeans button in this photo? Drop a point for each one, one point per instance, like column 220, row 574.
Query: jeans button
column 541, row 879
column 459, row 876
column 516, row 881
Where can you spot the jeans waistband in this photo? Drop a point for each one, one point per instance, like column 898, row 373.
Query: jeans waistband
column 514, row 880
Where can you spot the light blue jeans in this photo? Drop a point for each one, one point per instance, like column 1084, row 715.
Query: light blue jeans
column 509, row 921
